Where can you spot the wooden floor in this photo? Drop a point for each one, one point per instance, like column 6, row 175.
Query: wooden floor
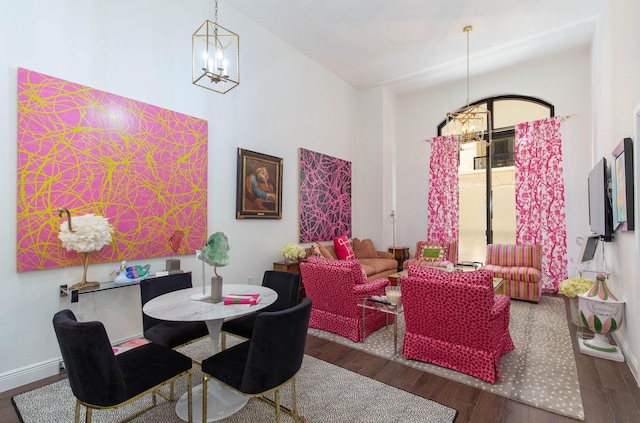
column 609, row 391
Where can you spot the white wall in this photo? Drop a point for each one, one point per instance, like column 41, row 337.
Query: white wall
column 375, row 168
column 142, row 50
column 616, row 95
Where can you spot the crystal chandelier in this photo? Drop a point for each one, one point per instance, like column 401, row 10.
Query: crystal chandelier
column 215, row 55
column 469, row 123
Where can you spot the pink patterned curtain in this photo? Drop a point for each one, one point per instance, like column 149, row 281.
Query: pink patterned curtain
column 540, row 213
column 442, row 225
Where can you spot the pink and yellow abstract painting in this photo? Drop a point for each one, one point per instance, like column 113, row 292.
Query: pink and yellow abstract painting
column 141, row 166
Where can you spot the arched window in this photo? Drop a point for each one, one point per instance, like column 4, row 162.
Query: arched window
column 487, row 175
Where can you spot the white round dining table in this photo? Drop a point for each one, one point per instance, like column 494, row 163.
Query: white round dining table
column 181, row 306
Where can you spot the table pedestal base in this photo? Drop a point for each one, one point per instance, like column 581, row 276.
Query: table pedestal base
column 222, row 402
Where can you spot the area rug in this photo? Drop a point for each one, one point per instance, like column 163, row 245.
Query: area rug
column 541, row 371
column 325, row 393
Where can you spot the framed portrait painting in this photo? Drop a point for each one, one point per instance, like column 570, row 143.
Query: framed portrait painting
column 259, row 186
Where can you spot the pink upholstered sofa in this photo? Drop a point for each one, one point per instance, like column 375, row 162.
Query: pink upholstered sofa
column 449, row 259
column 519, row 266
column 336, row 287
column 454, row 320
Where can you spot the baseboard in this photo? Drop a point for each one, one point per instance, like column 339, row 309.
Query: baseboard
column 25, row 375
column 630, row 359
column 29, row 374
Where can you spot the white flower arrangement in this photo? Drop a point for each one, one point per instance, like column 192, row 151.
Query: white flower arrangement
column 85, row 233
column 293, row 251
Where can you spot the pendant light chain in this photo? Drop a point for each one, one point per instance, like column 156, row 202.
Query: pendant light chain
column 468, row 29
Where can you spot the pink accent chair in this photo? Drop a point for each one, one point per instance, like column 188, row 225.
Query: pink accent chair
column 520, row 267
column 454, row 320
column 336, row 287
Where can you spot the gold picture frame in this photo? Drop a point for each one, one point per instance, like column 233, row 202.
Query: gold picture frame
column 259, row 186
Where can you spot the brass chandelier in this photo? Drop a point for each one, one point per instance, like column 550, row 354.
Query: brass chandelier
column 215, row 55
column 469, row 123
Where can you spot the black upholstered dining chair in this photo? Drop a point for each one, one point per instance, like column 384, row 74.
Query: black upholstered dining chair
column 267, row 362
column 101, row 380
column 285, row 284
column 163, row 332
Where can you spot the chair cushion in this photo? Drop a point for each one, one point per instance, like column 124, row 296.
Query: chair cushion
column 432, row 253
column 322, row 251
column 173, row 334
column 446, row 264
column 373, row 266
column 228, row 365
column 364, row 249
column 343, row 248
column 149, row 365
column 519, row 273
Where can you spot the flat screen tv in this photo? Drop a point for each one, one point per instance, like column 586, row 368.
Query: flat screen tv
column 600, row 211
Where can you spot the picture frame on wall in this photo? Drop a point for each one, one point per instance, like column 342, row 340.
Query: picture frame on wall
column 259, row 186
column 622, row 186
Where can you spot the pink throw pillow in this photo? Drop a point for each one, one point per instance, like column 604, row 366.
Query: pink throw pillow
column 343, row 248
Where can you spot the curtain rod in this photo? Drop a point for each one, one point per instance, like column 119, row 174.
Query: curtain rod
column 562, row 118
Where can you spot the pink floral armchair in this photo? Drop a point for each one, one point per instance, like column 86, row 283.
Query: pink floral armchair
column 336, row 287
column 454, row 320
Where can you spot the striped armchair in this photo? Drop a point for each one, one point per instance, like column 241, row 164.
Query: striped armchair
column 519, row 266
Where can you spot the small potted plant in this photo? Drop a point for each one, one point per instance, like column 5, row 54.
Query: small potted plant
column 571, row 288
column 293, row 252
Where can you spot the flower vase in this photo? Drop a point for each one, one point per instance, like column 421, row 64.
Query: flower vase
column 83, row 284
column 602, row 313
column 575, row 313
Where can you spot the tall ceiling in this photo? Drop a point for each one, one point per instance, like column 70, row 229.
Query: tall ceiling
column 413, row 44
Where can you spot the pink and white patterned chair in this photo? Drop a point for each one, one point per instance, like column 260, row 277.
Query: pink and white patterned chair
column 336, row 287
column 454, row 320
column 519, row 266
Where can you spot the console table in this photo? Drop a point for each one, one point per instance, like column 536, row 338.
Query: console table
column 65, row 291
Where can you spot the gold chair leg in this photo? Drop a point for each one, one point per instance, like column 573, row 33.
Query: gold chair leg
column 223, row 341
column 77, row 419
column 204, row 398
column 294, row 404
column 277, row 395
column 89, row 415
column 190, row 397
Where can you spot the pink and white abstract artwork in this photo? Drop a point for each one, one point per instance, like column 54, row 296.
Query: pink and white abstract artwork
column 325, row 197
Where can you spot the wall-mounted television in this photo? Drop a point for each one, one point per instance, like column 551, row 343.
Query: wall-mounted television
column 600, row 212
